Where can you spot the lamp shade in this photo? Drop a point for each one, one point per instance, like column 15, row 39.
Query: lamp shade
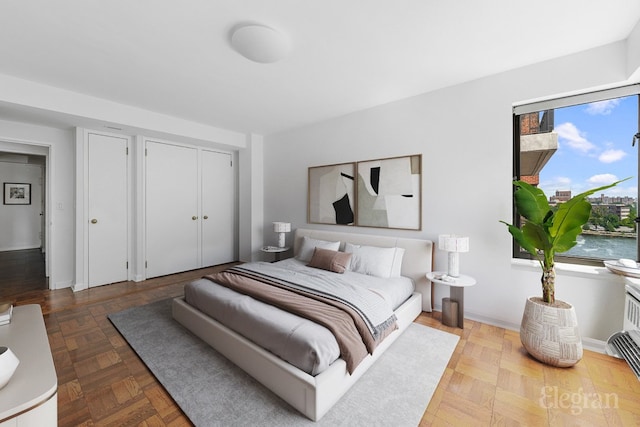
column 281, row 227
column 453, row 243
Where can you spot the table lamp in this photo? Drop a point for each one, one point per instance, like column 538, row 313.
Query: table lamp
column 454, row 245
column 281, row 228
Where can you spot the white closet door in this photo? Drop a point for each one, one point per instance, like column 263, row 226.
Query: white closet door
column 217, row 208
column 171, row 209
column 107, row 209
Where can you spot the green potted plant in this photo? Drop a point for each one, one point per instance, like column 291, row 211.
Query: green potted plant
column 545, row 232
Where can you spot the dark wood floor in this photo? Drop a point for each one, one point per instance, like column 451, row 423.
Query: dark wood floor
column 490, row 380
column 22, row 271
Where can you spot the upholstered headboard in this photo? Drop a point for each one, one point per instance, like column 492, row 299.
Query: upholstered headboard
column 416, row 263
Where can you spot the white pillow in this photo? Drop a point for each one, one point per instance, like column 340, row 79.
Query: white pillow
column 396, row 268
column 375, row 261
column 308, row 245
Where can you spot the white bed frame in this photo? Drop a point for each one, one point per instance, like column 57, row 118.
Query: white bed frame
column 314, row 396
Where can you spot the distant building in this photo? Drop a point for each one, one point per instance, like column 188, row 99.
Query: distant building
column 621, row 211
column 615, row 205
column 609, row 200
column 538, row 142
column 561, row 196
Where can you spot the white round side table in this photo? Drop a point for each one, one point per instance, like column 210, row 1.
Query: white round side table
column 456, row 289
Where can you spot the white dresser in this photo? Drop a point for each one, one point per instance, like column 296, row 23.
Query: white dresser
column 30, row 397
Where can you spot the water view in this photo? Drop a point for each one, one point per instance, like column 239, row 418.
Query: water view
column 605, row 247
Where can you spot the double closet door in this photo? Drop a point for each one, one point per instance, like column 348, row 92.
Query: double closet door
column 189, row 208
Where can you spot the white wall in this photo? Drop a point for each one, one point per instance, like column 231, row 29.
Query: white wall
column 20, row 224
column 251, row 198
column 88, row 111
column 633, row 53
column 464, row 134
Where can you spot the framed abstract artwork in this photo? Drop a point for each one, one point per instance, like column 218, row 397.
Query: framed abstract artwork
column 388, row 193
column 331, row 194
column 17, row 194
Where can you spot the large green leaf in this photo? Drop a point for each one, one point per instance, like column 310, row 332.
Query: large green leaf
column 545, row 230
column 567, row 240
column 537, row 236
column 531, row 202
column 518, row 236
column 573, row 213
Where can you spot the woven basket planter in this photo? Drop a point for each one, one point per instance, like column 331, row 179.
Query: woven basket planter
column 550, row 332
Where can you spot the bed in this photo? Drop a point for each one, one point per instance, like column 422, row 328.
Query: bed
column 310, row 393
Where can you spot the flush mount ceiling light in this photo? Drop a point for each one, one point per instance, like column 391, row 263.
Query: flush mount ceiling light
column 260, row 43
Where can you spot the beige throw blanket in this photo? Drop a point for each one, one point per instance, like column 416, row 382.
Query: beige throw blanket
column 352, row 334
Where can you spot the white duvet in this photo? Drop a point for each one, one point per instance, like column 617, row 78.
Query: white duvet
column 301, row 342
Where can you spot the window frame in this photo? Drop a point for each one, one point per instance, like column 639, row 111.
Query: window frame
column 552, row 104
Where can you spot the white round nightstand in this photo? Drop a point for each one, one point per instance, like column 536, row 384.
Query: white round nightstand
column 274, row 250
column 456, row 289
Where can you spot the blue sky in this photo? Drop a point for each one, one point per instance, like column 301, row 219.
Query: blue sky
column 594, row 148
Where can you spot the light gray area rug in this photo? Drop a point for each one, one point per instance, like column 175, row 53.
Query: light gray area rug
column 214, row 392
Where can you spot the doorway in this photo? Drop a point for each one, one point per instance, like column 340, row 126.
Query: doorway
column 23, row 225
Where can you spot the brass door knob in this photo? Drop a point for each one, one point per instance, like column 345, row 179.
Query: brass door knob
column 94, row 221
column 206, row 217
column 194, row 218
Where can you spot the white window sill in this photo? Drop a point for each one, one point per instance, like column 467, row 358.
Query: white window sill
column 576, row 270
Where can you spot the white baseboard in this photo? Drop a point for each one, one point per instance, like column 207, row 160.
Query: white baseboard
column 587, row 343
column 594, row 345
column 62, row 285
column 79, row 287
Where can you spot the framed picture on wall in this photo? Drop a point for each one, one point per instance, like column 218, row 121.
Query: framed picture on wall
column 331, row 194
column 17, row 194
column 389, row 193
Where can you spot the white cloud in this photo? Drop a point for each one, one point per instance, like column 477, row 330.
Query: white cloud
column 602, row 107
column 602, row 179
column 569, row 133
column 562, row 182
column 620, row 190
column 611, row 155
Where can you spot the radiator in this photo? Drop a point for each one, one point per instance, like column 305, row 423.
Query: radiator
column 626, row 343
column 631, row 309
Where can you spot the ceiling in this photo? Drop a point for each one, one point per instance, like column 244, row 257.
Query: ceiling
column 174, row 57
column 22, row 158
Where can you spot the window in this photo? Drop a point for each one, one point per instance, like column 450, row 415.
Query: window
column 572, row 144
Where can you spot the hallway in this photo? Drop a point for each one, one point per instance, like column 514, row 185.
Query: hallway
column 21, row 272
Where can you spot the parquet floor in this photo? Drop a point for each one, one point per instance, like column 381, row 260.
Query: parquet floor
column 490, row 380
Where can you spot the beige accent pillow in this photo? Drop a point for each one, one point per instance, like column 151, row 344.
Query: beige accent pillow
column 330, row 260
